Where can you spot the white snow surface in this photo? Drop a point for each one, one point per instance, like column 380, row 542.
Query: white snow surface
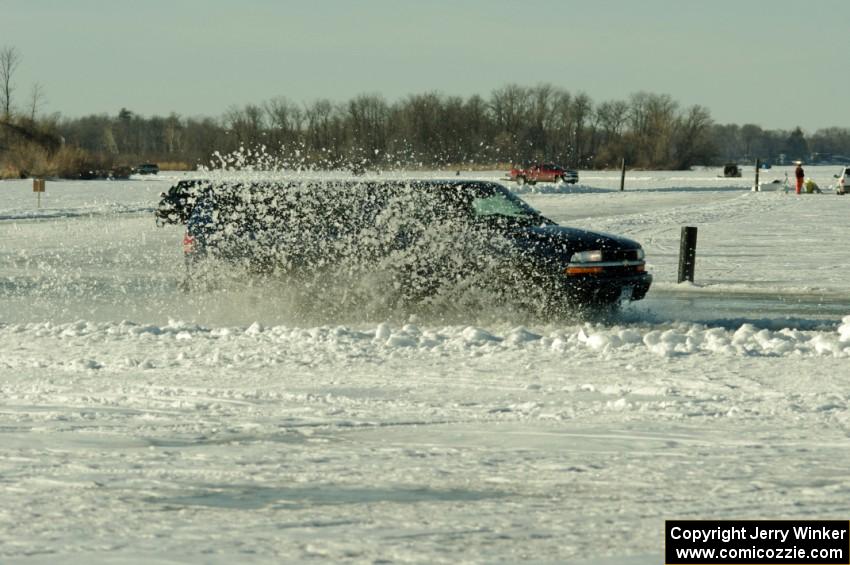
column 139, row 424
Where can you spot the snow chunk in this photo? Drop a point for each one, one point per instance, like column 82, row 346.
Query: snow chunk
column 401, row 340
column 618, row 405
column 844, row 330
column 521, row 335
column 254, row 329
column 85, row 365
column 599, row 340
column 383, row 332
column 478, row 336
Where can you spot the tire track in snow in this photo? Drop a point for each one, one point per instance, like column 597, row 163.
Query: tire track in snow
column 658, row 225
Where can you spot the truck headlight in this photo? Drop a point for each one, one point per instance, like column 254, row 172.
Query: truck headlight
column 587, row 256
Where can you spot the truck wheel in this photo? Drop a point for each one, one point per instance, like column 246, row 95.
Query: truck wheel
column 520, row 181
column 558, row 179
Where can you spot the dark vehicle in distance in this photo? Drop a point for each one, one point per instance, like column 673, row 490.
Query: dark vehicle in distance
column 437, row 230
column 731, row 170
column 147, row 169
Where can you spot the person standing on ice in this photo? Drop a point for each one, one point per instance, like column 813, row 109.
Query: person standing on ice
column 801, row 175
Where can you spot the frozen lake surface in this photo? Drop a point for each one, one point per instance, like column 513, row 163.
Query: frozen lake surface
column 139, row 424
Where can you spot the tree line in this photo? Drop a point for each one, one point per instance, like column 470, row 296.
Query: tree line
column 513, row 123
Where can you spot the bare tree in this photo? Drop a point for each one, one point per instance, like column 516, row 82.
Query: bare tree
column 284, row 116
column 367, row 117
column 37, row 100
column 323, row 131
column 612, row 117
column 9, row 61
column 510, row 107
column 561, row 127
column 691, row 141
column 171, row 133
column 582, row 110
column 246, row 123
column 749, row 134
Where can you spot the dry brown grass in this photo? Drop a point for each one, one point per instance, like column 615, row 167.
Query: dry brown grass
column 9, row 171
column 71, row 162
column 27, row 159
column 175, row 166
column 24, row 159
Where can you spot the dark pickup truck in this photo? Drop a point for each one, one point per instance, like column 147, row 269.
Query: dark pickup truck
column 429, row 232
column 147, row 169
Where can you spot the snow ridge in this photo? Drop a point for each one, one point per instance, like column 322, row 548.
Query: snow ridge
column 127, row 345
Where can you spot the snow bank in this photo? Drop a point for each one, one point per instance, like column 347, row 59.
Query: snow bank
column 691, row 339
column 127, row 345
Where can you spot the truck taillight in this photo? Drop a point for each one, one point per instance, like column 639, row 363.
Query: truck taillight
column 188, row 244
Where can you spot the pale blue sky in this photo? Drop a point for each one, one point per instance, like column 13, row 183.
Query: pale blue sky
column 777, row 63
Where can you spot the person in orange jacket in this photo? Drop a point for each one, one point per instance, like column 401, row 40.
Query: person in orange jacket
column 801, row 175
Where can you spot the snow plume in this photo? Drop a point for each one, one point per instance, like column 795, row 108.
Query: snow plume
column 260, row 160
column 354, row 250
column 297, row 159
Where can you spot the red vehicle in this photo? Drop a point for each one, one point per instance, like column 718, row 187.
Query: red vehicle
column 532, row 173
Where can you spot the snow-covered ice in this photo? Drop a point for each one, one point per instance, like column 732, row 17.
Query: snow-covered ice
column 138, row 424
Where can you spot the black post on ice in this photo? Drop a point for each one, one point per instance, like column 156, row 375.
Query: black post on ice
column 687, row 253
column 623, row 175
column 758, row 166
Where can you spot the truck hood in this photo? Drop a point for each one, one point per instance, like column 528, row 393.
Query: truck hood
column 559, row 243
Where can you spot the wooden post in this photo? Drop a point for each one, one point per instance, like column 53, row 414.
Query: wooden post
column 756, row 188
column 623, row 174
column 38, row 188
column 687, row 253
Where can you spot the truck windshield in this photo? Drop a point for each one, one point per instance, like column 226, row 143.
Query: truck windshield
column 501, row 205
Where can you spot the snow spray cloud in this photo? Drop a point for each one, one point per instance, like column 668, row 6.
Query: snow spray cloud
column 343, row 250
column 324, row 245
column 348, row 250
